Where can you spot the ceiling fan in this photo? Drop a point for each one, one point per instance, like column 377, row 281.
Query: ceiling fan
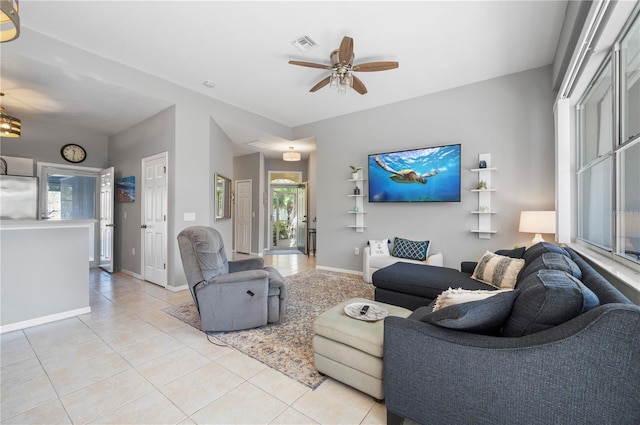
column 342, row 69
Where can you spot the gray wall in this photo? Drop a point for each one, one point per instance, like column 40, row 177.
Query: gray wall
column 126, row 151
column 509, row 117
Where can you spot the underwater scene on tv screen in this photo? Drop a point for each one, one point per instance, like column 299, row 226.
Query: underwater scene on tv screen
column 417, row 175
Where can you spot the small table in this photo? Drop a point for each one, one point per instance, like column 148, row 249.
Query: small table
column 350, row 350
column 311, row 241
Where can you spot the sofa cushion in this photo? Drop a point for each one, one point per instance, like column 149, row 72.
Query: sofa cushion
column 480, row 311
column 413, row 250
column 546, row 299
column 423, row 280
column 540, row 248
column 513, row 253
column 552, row 261
column 498, row 270
column 380, row 247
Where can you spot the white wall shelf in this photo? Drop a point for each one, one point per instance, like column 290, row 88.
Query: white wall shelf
column 358, row 206
column 484, row 211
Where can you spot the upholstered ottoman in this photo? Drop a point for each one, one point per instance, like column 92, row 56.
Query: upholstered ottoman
column 350, row 350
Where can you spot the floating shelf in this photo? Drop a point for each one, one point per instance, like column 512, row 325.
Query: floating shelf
column 484, row 211
column 358, row 203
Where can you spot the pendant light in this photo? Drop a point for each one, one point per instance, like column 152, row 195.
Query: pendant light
column 291, row 155
column 9, row 126
column 9, row 20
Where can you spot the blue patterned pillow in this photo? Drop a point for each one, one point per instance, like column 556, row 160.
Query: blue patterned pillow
column 411, row 250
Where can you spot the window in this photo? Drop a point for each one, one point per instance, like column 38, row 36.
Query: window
column 608, row 117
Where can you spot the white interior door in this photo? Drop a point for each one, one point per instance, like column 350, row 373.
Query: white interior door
column 243, row 216
column 106, row 219
column 154, row 219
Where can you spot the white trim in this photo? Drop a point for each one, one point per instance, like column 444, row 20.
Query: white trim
column 44, row 319
column 337, row 270
column 177, row 288
column 130, row 273
column 625, row 274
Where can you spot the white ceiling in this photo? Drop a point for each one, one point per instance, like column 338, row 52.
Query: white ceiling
column 244, row 47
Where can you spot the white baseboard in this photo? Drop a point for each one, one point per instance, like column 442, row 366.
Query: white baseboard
column 334, row 269
column 177, row 288
column 130, row 273
column 44, row 319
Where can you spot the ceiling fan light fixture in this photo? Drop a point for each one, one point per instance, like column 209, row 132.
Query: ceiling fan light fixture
column 291, row 155
column 9, row 126
column 9, row 20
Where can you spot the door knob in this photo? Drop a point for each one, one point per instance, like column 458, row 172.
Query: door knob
column 111, row 225
column 144, row 226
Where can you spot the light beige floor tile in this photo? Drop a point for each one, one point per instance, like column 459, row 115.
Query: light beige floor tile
column 292, row 417
column 333, row 402
column 153, row 408
column 202, row 386
column 279, row 385
column 377, row 415
column 14, row 347
column 20, row 372
column 245, row 404
column 88, row 372
column 149, row 349
column 188, row 335
column 57, row 335
column 210, row 350
column 160, row 319
column 23, row 397
column 74, row 354
column 50, row 413
column 241, row 364
column 173, row 365
column 124, row 335
column 102, row 397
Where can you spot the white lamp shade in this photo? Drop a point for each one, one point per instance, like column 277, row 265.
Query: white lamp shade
column 538, row 222
column 291, row 156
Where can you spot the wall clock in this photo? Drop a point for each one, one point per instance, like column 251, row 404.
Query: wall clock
column 73, row 153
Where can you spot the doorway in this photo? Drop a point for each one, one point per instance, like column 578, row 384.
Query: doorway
column 288, row 212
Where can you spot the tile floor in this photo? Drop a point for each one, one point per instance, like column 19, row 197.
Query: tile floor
column 129, row 363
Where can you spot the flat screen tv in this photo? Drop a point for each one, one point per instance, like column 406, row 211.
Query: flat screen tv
column 416, row 175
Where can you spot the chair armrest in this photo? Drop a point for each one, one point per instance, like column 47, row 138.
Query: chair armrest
column 436, row 259
column 578, row 372
column 237, row 277
column 253, row 263
column 468, row 266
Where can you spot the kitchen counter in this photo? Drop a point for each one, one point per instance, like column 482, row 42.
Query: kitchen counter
column 44, row 271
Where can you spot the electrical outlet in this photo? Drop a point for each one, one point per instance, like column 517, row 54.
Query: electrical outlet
column 356, row 251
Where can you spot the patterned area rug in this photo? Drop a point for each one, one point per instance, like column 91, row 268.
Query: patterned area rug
column 286, row 346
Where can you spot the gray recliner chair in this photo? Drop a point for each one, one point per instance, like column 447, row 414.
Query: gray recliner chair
column 229, row 295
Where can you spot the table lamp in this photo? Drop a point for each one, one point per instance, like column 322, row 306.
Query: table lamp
column 537, row 222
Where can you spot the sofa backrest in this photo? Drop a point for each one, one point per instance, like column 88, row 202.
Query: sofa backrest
column 593, row 280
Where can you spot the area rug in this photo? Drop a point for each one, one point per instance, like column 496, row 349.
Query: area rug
column 286, row 346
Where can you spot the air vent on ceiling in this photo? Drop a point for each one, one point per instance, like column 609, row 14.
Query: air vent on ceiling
column 304, row 43
column 260, row 144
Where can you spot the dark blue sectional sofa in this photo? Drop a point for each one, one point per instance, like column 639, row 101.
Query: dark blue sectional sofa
column 562, row 355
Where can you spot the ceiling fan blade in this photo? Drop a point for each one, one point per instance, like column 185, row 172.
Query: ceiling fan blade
column 358, row 85
column 320, row 85
column 310, row 64
column 375, row 66
column 345, row 54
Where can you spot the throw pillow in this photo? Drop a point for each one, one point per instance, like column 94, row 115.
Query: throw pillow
column 497, row 270
column 547, row 298
column 552, row 261
column 379, row 247
column 411, row 250
column 479, row 311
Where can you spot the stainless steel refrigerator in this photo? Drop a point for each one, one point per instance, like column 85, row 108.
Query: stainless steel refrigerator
column 18, row 198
